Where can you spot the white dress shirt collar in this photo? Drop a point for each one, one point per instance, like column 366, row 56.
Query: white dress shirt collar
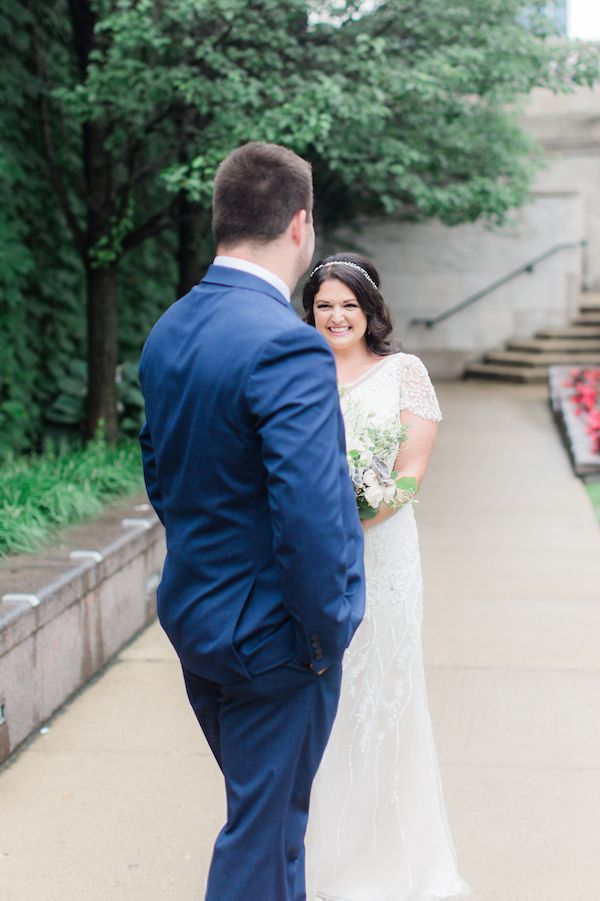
column 254, row 269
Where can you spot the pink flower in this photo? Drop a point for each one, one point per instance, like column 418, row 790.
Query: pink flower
column 585, row 384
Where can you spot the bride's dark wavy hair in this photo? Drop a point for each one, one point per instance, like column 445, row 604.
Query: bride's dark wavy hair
column 379, row 335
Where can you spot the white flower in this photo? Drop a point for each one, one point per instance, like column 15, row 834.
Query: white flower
column 370, row 478
column 355, row 442
column 389, row 493
column 374, row 496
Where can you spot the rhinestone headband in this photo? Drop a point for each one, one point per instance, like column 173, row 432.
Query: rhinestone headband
column 345, row 263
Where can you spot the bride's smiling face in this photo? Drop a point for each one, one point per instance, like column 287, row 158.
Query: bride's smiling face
column 338, row 315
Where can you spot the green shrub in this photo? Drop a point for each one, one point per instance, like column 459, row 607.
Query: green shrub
column 65, row 414
column 594, row 493
column 61, row 487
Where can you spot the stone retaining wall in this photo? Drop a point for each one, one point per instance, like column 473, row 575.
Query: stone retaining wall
column 65, row 613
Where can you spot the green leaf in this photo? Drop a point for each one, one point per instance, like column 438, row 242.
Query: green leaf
column 408, row 484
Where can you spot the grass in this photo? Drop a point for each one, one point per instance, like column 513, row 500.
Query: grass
column 594, row 493
column 61, row 487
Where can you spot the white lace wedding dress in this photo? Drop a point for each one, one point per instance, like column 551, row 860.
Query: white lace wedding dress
column 377, row 827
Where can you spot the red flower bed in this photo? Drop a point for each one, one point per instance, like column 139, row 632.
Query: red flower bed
column 585, row 385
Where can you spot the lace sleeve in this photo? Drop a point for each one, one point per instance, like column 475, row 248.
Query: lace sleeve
column 417, row 394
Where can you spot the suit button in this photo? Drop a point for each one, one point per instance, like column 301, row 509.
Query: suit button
column 319, row 655
column 314, row 637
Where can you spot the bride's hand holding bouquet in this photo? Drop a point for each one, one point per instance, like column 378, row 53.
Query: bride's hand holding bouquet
column 375, row 482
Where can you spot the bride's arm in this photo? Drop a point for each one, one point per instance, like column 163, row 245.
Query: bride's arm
column 412, row 458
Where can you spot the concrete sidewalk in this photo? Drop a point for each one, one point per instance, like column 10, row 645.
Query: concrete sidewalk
column 122, row 800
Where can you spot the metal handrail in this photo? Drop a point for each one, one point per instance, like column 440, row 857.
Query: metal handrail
column 430, row 321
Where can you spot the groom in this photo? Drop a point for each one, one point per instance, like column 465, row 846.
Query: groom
column 244, row 461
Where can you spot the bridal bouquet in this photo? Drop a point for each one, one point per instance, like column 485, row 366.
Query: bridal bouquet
column 373, row 480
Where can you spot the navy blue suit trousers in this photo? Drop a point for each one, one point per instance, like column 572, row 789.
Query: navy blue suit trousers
column 268, row 735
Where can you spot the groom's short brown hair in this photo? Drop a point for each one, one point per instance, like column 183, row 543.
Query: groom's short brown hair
column 257, row 190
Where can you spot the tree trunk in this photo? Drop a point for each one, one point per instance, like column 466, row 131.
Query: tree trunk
column 102, row 351
column 191, row 240
column 101, row 286
column 101, row 275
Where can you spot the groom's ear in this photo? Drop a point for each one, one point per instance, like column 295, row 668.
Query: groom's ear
column 297, row 227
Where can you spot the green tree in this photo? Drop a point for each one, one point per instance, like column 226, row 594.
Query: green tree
column 402, row 107
column 425, row 102
column 136, row 86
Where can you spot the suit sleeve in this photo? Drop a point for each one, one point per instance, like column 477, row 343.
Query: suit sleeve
column 293, row 399
column 150, row 475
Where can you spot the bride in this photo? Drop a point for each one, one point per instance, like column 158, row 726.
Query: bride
column 377, row 826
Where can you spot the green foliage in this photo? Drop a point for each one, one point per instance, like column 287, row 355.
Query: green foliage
column 402, row 107
column 17, row 360
column 66, row 411
column 42, row 319
column 593, row 489
column 130, row 404
column 426, row 107
column 67, row 408
column 109, row 247
column 42, row 281
column 147, row 280
column 16, row 265
column 61, row 487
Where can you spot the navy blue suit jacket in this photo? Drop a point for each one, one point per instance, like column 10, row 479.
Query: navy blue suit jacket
column 244, row 462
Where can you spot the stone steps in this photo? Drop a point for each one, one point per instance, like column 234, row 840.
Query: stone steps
column 570, row 331
column 564, row 345
column 587, row 318
column 541, row 358
column 529, row 360
column 590, row 302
